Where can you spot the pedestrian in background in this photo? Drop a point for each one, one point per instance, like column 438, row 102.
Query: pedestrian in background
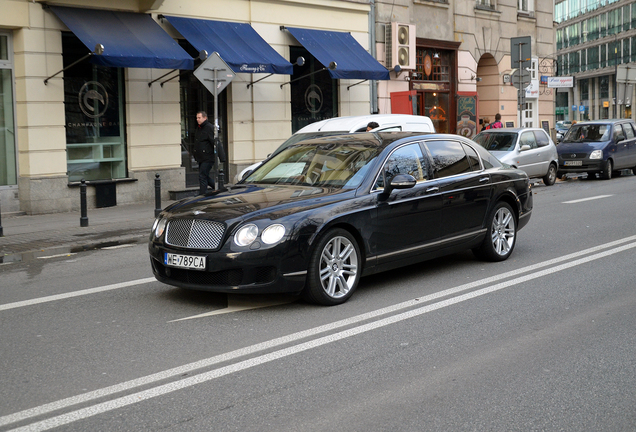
column 497, row 124
column 372, row 125
column 204, row 146
column 486, row 124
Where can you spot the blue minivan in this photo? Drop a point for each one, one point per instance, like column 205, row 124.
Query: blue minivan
column 601, row 147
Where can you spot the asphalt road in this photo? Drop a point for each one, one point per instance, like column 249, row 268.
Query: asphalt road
column 543, row 341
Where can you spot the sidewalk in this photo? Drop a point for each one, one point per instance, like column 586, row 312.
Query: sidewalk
column 61, row 231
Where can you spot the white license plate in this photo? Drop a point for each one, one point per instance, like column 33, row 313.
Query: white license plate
column 573, row 163
column 184, row 261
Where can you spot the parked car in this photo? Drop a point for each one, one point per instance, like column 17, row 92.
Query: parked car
column 561, row 128
column 324, row 212
column 529, row 149
column 343, row 125
column 598, row 147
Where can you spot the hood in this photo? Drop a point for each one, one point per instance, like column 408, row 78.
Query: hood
column 247, row 202
column 580, row 147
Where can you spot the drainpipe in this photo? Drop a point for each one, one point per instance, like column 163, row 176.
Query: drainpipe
column 373, row 88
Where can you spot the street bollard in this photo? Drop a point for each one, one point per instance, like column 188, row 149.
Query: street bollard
column 157, row 195
column 83, row 216
column 1, row 231
column 221, row 179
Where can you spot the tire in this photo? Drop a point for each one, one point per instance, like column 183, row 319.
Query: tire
column 607, row 170
column 502, row 234
column 334, row 270
column 550, row 178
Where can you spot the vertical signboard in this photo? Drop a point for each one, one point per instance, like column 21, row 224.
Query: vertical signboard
column 467, row 116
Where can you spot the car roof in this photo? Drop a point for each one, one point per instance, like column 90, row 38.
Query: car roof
column 502, row 130
column 354, row 123
column 586, row 122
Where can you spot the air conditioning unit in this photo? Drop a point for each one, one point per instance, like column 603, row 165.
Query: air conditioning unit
column 400, row 45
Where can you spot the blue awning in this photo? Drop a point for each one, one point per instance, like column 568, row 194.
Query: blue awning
column 129, row 39
column 238, row 44
column 353, row 61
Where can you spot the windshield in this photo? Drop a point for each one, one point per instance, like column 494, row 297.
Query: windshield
column 323, row 164
column 496, row 141
column 587, row 133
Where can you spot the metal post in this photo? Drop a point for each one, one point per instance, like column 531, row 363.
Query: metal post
column 157, row 195
column 1, row 231
column 83, row 217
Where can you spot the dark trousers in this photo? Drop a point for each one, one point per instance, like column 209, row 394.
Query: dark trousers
column 204, row 176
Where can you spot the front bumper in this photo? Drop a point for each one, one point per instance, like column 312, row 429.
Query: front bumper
column 587, row 165
column 267, row 271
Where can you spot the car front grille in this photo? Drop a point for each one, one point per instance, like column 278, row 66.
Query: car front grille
column 194, row 233
column 570, row 156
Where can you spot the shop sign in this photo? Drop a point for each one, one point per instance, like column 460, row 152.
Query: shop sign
column 560, row 82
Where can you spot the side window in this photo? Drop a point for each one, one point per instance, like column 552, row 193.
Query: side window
column 448, row 158
column 542, row 138
column 629, row 132
column 619, row 135
column 407, row 159
column 473, row 158
column 527, row 138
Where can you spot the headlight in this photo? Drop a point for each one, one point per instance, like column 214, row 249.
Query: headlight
column 596, row 154
column 246, row 235
column 160, row 227
column 272, row 234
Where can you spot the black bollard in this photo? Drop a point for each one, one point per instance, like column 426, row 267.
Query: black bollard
column 221, row 179
column 83, row 216
column 1, row 231
column 157, row 195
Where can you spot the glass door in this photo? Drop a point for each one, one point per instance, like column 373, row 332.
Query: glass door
column 8, row 172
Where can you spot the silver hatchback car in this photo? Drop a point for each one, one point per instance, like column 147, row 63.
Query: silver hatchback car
column 529, row 149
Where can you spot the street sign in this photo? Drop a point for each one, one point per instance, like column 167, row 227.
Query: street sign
column 520, row 50
column 214, row 74
column 524, row 81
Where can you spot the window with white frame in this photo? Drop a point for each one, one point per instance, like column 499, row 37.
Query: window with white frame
column 487, row 3
column 528, row 114
column 533, row 68
column 526, row 6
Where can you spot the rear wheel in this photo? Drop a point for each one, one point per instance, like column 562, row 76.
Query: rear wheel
column 502, row 234
column 550, row 178
column 334, row 269
column 607, row 170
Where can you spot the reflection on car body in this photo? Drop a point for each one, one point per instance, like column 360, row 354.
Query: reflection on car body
column 322, row 213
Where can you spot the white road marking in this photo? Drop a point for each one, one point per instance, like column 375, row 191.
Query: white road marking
column 242, row 365
column 56, row 256
column 587, row 199
column 68, row 295
column 118, row 246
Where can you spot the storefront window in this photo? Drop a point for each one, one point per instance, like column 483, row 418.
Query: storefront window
column 314, row 97
column 8, row 175
column 94, row 112
column 431, row 79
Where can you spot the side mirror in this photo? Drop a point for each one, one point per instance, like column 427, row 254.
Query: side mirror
column 403, row 181
column 525, row 147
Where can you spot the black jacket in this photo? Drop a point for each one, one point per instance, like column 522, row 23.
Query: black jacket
column 204, row 144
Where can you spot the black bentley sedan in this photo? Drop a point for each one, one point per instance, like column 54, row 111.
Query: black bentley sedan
column 316, row 217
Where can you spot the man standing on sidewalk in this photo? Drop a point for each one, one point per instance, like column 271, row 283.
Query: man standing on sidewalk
column 204, row 146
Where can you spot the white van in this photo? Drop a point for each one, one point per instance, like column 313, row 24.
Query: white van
column 344, row 125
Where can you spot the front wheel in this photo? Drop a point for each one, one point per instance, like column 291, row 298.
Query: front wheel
column 334, row 269
column 607, row 170
column 502, row 234
column 550, row 178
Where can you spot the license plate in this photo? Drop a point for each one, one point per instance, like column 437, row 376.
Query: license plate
column 573, row 163
column 184, row 261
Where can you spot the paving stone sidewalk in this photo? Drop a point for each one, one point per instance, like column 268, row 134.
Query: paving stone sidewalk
column 44, row 233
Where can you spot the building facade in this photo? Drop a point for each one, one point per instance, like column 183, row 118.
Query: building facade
column 462, row 72
column 104, row 90
column 594, row 40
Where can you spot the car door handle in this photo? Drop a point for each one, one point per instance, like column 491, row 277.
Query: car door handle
column 484, row 179
column 432, row 189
